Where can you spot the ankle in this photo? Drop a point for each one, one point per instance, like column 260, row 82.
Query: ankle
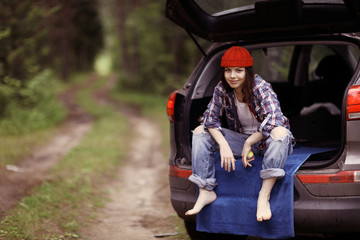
column 264, row 195
column 205, row 190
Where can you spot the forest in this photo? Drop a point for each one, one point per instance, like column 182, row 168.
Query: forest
column 45, row 42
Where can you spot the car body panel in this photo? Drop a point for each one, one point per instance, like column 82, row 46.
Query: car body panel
column 353, row 146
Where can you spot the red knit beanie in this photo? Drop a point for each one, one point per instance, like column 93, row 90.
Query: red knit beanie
column 237, row 57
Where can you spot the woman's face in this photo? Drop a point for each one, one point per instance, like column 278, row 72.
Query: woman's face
column 235, row 76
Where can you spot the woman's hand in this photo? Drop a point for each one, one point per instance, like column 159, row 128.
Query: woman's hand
column 226, row 154
column 254, row 138
column 227, row 157
column 245, row 155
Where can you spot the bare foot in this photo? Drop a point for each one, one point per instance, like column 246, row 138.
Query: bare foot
column 205, row 197
column 263, row 208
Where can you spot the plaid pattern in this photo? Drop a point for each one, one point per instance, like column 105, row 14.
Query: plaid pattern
column 265, row 107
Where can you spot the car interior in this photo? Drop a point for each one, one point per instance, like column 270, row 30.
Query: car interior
column 310, row 81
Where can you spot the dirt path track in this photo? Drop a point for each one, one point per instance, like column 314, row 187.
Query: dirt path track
column 139, row 206
column 17, row 180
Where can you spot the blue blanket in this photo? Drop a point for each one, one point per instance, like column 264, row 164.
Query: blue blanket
column 234, row 211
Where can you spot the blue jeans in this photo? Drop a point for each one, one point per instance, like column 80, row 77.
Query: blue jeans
column 204, row 148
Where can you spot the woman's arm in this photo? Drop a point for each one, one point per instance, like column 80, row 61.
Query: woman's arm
column 269, row 105
column 254, row 138
column 226, row 154
column 215, row 108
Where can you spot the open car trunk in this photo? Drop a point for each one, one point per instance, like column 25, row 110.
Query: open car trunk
column 310, row 79
column 308, row 50
column 304, row 73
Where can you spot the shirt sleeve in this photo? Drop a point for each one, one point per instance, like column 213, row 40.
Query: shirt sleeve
column 270, row 109
column 214, row 109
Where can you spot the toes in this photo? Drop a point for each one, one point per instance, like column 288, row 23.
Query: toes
column 190, row 212
column 263, row 218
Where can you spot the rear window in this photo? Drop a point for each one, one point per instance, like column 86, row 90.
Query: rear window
column 223, row 7
column 336, row 58
column 274, row 63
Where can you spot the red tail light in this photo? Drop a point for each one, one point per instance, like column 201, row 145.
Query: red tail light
column 175, row 171
column 340, row 177
column 170, row 110
column 353, row 103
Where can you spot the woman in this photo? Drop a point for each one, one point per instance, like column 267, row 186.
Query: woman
column 255, row 124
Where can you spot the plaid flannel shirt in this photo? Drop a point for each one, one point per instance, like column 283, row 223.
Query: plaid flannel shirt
column 265, row 107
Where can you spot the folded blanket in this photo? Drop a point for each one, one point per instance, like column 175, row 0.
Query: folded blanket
column 234, row 211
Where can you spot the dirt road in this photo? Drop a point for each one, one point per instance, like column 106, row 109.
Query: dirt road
column 17, row 180
column 139, row 206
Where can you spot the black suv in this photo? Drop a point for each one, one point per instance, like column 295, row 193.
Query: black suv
column 309, row 51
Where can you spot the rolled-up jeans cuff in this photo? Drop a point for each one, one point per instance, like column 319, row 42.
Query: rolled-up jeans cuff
column 271, row 173
column 208, row 184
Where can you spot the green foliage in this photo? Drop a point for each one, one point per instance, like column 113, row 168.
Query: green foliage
column 76, row 36
column 22, row 38
column 30, row 107
column 61, row 35
column 157, row 55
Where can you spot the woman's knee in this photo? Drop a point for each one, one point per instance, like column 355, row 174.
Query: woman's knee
column 199, row 129
column 279, row 133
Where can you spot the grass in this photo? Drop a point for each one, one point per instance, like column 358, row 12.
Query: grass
column 55, row 209
column 15, row 147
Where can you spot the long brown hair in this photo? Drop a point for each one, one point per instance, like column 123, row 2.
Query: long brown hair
column 247, row 89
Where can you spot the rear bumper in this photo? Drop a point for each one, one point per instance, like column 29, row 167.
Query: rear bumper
column 183, row 196
column 325, row 214
column 311, row 214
